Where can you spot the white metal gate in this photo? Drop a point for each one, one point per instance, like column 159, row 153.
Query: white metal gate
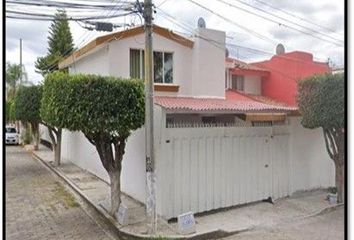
column 201, row 169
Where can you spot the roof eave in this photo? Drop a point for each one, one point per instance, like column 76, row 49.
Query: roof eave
column 121, row 35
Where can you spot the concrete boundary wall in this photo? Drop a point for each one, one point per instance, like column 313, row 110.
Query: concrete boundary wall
column 202, row 169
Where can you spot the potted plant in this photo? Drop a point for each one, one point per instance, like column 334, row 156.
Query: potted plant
column 332, row 196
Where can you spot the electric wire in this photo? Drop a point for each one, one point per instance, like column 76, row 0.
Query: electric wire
column 242, row 27
column 284, row 19
column 254, row 33
column 217, row 44
column 84, row 37
column 298, row 17
column 190, row 30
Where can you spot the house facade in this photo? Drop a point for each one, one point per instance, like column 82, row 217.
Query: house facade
column 285, row 70
column 220, row 138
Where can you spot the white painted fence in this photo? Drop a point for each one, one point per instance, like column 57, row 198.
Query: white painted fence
column 204, row 169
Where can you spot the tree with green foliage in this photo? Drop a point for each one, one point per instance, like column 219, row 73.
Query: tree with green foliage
column 10, row 111
column 321, row 103
column 106, row 110
column 27, row 104
column 60, row 44
column 13, row 78
column 52, row 108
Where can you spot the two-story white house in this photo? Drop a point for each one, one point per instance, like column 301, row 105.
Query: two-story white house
column 218, row 142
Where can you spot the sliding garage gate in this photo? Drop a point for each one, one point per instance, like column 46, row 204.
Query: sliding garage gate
column 202, row 169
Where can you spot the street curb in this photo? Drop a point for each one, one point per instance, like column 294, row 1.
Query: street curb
column 78, row 191
column 214, row 234
column 325, row 210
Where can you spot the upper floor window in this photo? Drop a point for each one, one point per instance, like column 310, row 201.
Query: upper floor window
column 163, row 65
column 137, row 69
column 238, row 83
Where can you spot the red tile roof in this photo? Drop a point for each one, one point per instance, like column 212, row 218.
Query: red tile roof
column 230, row 94
column 245, row 66
column 234, row 102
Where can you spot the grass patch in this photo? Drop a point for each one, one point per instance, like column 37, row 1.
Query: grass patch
column 156, row 238
column 61, row 193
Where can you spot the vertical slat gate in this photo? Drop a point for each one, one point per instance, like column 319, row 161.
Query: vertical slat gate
column 220, row 167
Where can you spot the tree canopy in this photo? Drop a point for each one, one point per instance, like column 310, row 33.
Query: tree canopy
column 55, row 90
column 60, row 44
column 97, row 104
column 13, row 77
column 10, row 111
column 105, row 109
column 27, row 103
column 321, row 101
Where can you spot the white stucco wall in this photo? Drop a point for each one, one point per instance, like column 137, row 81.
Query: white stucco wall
column 43, row 133
column 209, row 63
column 311, row 166
column 95, row 63
column 252, row 85
column 134, row 170
column 77, row 149
column 182, row 59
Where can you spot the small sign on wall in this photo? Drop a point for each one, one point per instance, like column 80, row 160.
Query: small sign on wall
column 186, row 223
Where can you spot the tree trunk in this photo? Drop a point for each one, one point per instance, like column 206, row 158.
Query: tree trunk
column 115, row 191
column 35, row 132
column 112, row 163
column 340, row 182
column 56, row 143
column 18, row 126
column 334, row 139
column 57, row 148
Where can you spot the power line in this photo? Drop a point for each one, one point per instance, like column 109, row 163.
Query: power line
column 296, row 16
column 54, row 63
column 254, row 33
column 251, row 31
column 88, row 33
column 57, row 4
column 109, row 11
column 284, row 19
column 50, row 17
column 217, row 44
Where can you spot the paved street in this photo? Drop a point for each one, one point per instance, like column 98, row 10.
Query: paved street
column 39, row 207
column 326, row 226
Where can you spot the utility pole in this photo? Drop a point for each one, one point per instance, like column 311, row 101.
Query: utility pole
column 149, row 121
column 21, row 60
column 18, row 126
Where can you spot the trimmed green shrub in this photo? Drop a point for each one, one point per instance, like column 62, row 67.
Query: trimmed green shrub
column 53, row 106
column 27, row 104
column 321, row 103
column 105, row 109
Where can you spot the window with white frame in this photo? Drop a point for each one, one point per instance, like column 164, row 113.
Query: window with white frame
column 137, row 63
column 163, row 65
column 238, row 83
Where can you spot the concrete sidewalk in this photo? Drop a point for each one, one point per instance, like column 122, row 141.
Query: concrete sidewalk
column 209, row 226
